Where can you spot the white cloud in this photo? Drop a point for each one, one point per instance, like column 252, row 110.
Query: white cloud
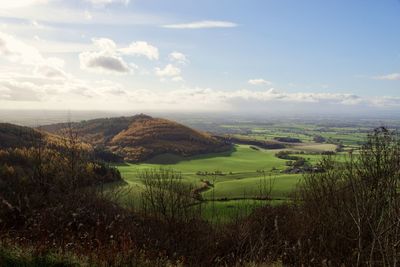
column 12, row 90
column 259, row 82
column 17, row 51
column 83, row 94
column 108, row 57
column 100, row 61
column 105, row 59
column 275, row 95
column 389, row 77
column 178, row 57
column 169, row 71
column 202, row 25
column 50, row 72
column 105, row 44
column 101, row 3
column 141, row 48
column 10, row 4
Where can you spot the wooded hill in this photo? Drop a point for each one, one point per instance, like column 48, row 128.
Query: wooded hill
column 14, row 136
column 142, row 137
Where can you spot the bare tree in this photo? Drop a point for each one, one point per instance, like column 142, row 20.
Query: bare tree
column 166, row 196
column 355, row 205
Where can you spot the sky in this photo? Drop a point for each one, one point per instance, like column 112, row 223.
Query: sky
column 250, row 56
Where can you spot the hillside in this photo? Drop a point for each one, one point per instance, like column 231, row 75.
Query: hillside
column 14, row 136
column 95, row 132
column 142, row 137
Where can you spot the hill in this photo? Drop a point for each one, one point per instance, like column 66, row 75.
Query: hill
column 14, row 136
column 142, row 137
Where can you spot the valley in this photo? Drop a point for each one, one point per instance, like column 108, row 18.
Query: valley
column 230, row 164
column 209, row 175
column 248, row 175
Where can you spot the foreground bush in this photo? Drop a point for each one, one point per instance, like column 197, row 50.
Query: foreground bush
column 353, row 208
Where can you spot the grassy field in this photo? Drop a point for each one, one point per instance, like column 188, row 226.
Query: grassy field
column 279, row 186
column 242, row 176
column 242, row 165
column 348, row 136
column 226, row 211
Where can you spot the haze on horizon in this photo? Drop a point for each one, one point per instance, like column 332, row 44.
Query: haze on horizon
column 292, row 57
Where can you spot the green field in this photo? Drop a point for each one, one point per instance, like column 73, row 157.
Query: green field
column 244, row 174
column 241, row 171
column 348, row 136
column 241, row 177
column 280, row 187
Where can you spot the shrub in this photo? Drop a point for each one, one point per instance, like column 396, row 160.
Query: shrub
column 166, row 197
column 353, row 207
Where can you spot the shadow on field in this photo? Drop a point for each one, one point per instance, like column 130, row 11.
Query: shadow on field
column 114, row 185
column 167, row 159
column 120, row 164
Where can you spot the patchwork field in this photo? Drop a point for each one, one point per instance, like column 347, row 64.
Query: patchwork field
column 242, row 169
column 247, row 176
column 238, row 179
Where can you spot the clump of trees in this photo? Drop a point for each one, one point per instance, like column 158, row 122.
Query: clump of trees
column 285, row 154
column 319, row 139
column 43, row 174
column 288, row 139
column 210, row 173
column 102, row 153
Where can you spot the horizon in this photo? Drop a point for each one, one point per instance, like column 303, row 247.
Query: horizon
column 196, row 119
column 282, row 58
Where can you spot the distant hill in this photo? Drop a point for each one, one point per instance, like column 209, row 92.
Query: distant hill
column 142, row 137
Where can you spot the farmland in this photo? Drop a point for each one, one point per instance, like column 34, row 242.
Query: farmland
column 243, row 176
column 248, row 176
column 243, row 168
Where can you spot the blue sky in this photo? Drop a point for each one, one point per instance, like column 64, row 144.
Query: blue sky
column 242, row 55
